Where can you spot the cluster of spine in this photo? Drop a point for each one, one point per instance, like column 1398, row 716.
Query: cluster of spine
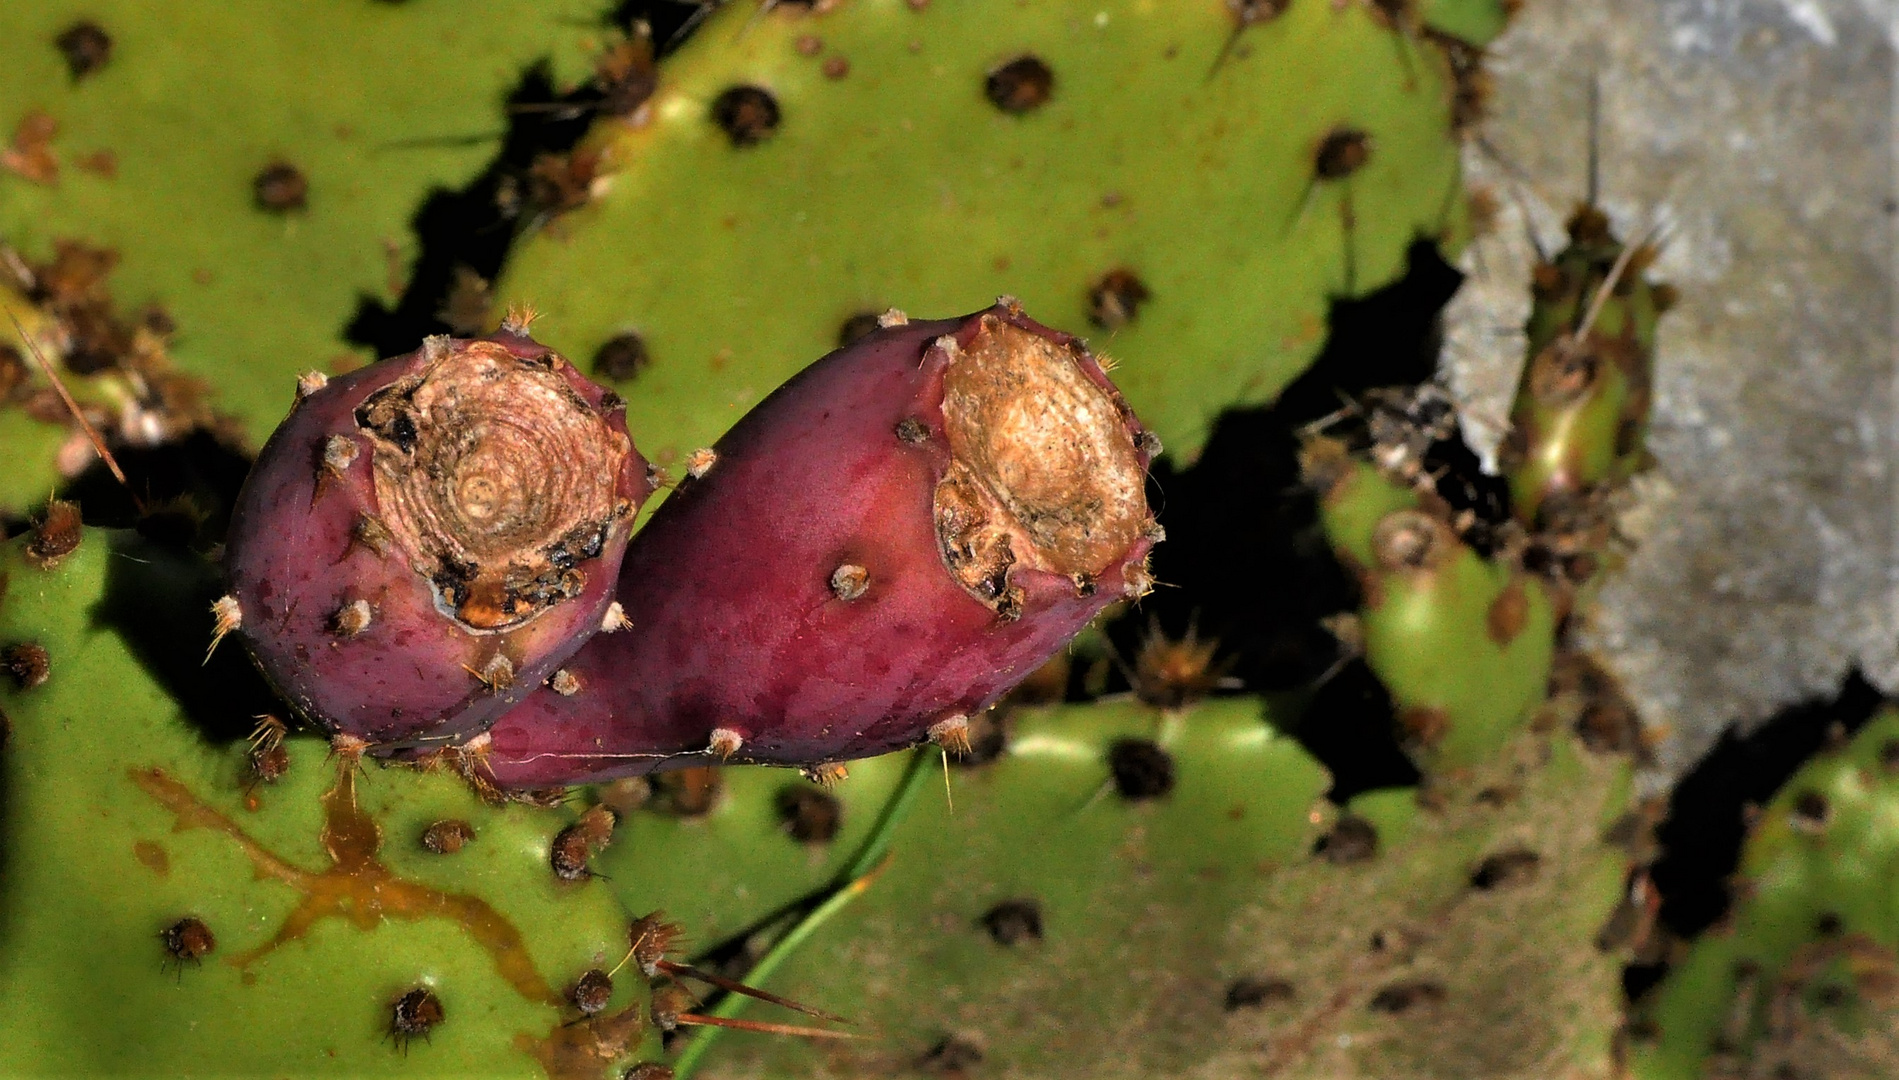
column 125, row 391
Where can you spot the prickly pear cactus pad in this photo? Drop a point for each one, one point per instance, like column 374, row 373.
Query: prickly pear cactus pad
column 1800, row 977
column 1580, row 420
column 1462, row 643
column 255, row 169
column 1194, row 187
column 168, row 910
column 1126, row 892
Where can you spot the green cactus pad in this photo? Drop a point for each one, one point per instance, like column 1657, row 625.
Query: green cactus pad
column 1055, row 760
column 1802, row 973
column 376, row 104
column 1044, row 822
column 890, row 179
column 1463, row 645
column 1474, row 22
column 1581, row 414
column 1153, row 913
column 121, row 819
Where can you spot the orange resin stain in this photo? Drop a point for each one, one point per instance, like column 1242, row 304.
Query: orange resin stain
column 356, row 886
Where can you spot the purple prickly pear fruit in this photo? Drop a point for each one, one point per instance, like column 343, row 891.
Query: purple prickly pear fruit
column 425, row 540
column 879, row 550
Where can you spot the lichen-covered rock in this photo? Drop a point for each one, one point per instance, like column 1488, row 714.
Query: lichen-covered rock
column 425, row 540
column 877, row 552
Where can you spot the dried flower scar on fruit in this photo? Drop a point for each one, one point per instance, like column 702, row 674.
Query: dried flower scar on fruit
column 887, row 544
column 423, row 541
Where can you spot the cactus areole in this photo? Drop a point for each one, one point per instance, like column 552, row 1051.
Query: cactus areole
column 881, row 548
column 425, row 540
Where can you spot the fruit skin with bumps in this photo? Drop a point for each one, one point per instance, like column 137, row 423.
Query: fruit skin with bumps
column 423, row 541
column 882, row 548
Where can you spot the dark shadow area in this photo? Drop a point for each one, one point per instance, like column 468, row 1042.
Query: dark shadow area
column 471, row 229
column 184, row 491
column 1701, row 837
column 1245, row 557
column 158, row 598
column 474, row 226
column 1350, row 727
column 672, row 21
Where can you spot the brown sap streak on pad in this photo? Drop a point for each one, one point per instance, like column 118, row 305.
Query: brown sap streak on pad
column 1423, row 725
column 582, row 1051
column 153, row 856
column 188, row 813
column 1508, row 612
column 356, row 886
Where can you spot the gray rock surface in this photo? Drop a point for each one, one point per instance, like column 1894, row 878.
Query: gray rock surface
column 1758, row 137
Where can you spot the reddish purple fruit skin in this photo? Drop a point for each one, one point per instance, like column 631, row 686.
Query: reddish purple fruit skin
column 735, row 624
column 292, row 561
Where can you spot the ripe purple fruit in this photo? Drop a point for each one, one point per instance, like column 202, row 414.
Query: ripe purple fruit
column 883, row 547
column 424, row 541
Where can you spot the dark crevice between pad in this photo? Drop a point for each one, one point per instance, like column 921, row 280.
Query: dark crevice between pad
column 1702, row 836
column 471, row 229
column 1245, row 553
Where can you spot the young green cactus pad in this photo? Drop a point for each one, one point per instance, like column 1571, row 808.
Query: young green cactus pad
column 1193, row 179
column 874, row 554
column 1581, row 413
column 177, row 908
column 1800, row 976
column 1048, row 923
column 1462, row 643
column 424, row 540
column 254, row 171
